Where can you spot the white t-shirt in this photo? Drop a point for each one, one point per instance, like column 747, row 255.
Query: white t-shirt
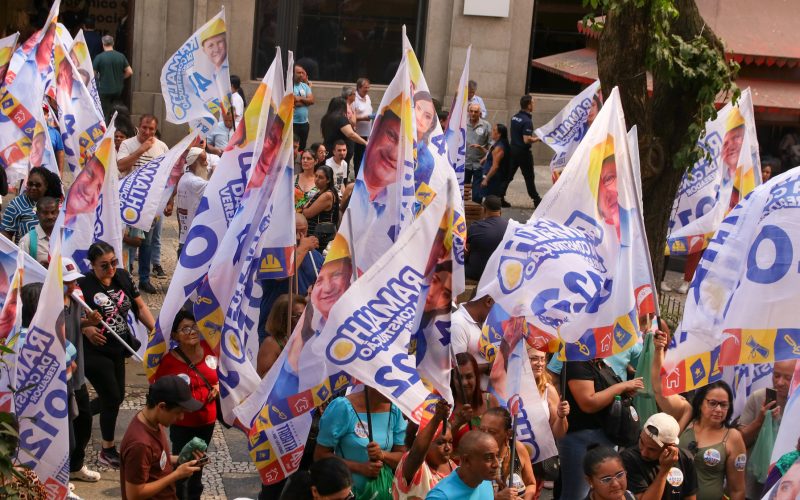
column 129, row 146
column 190, row 191
column 339, row 172
column 465, row 336
column 363, row 107
column 238, row 107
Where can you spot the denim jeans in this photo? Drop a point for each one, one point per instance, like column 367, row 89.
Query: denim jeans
column 571, row 450
column 156, row 230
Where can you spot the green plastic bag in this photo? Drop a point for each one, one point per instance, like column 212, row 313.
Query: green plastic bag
column 761, row 454
column 196, row 444
column 645, row 401
column 379, row 488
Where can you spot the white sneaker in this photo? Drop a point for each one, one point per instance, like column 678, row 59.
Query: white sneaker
column 71, row 495
column 684, row 287
column 85, row 474
column 665, row 288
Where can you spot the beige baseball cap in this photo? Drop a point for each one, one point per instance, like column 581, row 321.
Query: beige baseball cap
column 663, row 429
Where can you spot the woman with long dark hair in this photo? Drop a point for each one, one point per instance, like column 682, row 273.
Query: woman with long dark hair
column 305, row 183
column 323, row 206
column 470, row 401
column 496, row 163
column 110, row 290
column 718, row 447
column 336, row 126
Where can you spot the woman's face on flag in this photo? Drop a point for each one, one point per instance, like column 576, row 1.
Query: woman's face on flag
column 381, row 155
column 594, row 108
column 272, row 141
column 333, row 281
column 440, row 292
column 216, row 49
column 607, row 195
column 37, row 149
column 8, row 316
column 44, row 53
column 425, row 113
column 85, row 191
column 731, row 146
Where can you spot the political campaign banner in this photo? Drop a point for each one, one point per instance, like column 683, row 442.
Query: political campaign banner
column 24, row 139
column 570, row 271
column 456, row 133
column 79, row 53
column 145, row 190
column 646, row 298
column 728, row 171
column 785, row 443
column 42, row 403
column 739, row 306
column 82, row 126
column 195, row 80
column 744, row 380
column 513, row 384
column 7, row 46
column 217, row 208
column 568, row 128
column 219, row 295
column 91, row 209
column 10, row 325
column 39, row 46
column 34, row 271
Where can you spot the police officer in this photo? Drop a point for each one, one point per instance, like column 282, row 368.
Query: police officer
column 521, row 139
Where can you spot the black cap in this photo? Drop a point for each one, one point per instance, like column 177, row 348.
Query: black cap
column 173, row 390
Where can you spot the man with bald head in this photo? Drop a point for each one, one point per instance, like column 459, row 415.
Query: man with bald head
column 308, row 261
column 472, row 480
column 757, row 410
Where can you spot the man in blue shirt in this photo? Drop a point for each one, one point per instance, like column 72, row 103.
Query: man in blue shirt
column 521, row 138
column 472, row 480
column 303, row 98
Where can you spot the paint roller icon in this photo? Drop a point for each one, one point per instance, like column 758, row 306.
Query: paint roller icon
column 789, row 340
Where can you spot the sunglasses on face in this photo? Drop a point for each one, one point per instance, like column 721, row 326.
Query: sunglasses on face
column 112, row 264
column 34, row 184
column 619, row 476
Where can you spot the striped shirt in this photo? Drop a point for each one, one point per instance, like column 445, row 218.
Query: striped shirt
column 19, row 217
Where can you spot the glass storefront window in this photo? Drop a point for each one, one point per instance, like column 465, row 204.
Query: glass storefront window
column 338, row 40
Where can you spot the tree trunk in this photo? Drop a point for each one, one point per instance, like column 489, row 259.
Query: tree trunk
column 663, row 117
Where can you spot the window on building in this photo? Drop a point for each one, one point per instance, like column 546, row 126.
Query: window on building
column 338, row 40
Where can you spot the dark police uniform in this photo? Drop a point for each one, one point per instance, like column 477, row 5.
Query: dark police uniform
column 522, row 124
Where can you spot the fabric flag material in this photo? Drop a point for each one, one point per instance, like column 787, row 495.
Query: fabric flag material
column 744, row 380
column 146, row 189
column 10, row 324
column 7, row 45
column 81, row 124
column 646, row 299
column 40, row 45
column 456, row 133
column 570, row 272
column 739, row 309
column 217, row 208
column 716, row 183
column 787, row 438
column 79, row 53
column 195, row 80
column 34, row 272
column 42, row 404
column 91, row 207
column 513, row 384
column 568, row 128
column 221, row 296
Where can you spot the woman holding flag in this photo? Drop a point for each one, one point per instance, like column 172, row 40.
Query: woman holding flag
column 470, row 401
column 515, row 466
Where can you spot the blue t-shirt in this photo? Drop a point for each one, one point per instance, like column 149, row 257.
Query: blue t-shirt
column 618, row 362
column 452, row 488
column 55, row 139
column 301, row 112
column 341, row 430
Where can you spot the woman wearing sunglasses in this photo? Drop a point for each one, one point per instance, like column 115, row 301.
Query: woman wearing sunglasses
column 19, row 217
column 194, row 361
column 718, row 448
column 605, row 474
column 110, row 291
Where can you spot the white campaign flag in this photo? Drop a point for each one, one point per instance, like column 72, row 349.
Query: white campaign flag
column 568, row 128
column 144, row 192
column 42, row 404
column 10, row 324
column 456, row 133
column 729, row 170
column 570, row 271
column 79, row 53
column 195, row 81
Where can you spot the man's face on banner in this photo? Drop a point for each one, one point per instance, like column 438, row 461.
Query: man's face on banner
column 44, row 53
column 216, row 48
column 269, row 150
column 85, row 191
column 381, row 155
column 731, row 146
column 607, row 196
column 440, row 292
column 789, row 486
column 333, row 281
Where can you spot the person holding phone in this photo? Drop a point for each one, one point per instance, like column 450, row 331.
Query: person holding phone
column 657, row 468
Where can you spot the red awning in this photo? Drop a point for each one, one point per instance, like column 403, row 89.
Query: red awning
column 771, row 96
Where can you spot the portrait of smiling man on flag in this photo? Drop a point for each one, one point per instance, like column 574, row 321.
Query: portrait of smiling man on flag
column 603, row 182
column 214, row 45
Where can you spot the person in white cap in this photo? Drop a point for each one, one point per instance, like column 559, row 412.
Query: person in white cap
column 657, row 468
column 190, row 191
column 80, row 416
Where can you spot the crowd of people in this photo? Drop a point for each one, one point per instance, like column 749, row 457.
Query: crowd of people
column 362, row 446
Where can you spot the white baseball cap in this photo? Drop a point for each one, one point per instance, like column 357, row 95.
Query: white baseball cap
column 69, row 269
column 663, row 429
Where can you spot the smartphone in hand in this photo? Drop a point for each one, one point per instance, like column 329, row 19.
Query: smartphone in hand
column 772, row 395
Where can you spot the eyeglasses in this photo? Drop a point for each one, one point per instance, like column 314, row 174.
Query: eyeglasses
column 112, row 264
column 619, row 476
column 714, row 404
column 186, row 330
column 539, row 360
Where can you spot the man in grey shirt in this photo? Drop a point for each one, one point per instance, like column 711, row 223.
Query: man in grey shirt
column 478, row 133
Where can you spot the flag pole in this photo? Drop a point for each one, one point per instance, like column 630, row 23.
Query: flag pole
column 513, row 451
column 105, row 325
column 458, row 380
